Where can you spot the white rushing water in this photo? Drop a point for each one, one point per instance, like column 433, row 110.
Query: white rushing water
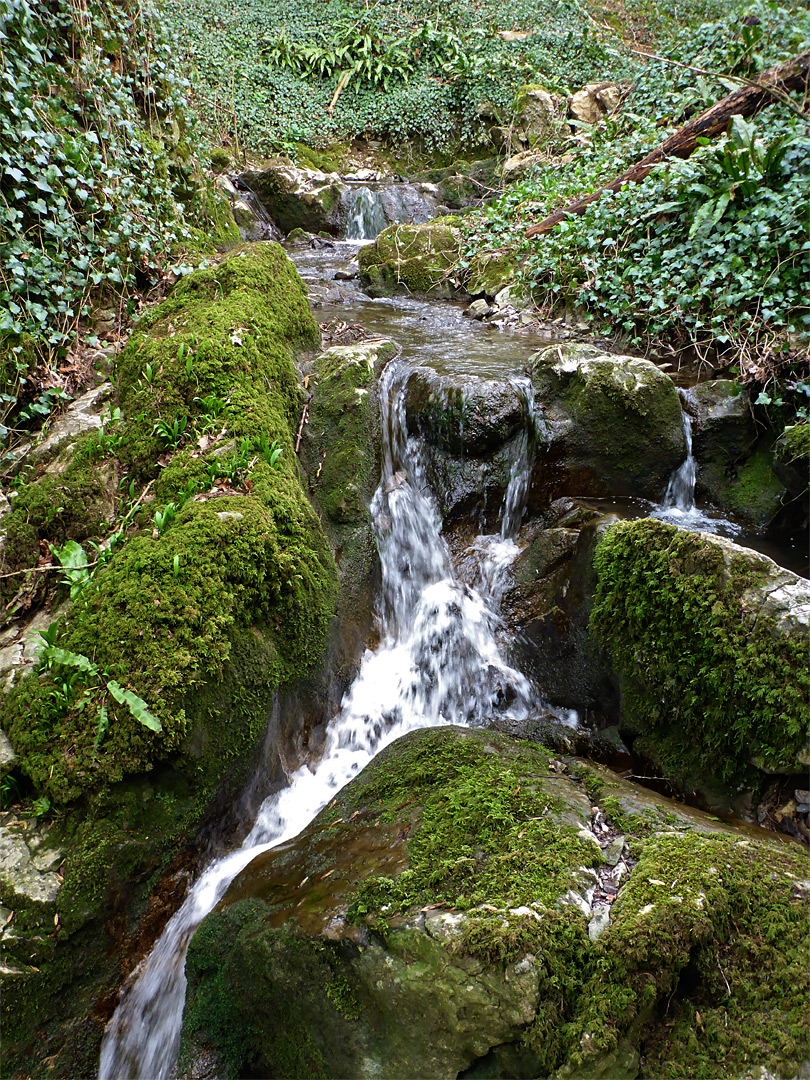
column 365, row 217
column 438, row 663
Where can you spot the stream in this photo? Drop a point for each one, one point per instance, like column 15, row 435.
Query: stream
column 439, row 660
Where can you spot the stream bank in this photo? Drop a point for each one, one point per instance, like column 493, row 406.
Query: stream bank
column 463, row 431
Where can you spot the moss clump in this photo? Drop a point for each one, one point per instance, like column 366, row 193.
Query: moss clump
column 220, row 159
column 236, row 594
column 669, row 609
column 697, row 923
column 411, row 258
column 756, row 493
column 794, row 445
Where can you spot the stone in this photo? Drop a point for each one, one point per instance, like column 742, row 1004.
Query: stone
column 612, row 425
column 479, row 309
column 84, row 414
column 613, row 852
column 520, row 165
column 536, row 114
column 27, row 878
column 413, row 259
column 593, row 101
column 341, row 945
column 297, row 197
column 7, row 755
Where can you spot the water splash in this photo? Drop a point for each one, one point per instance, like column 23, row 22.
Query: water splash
column 365, row 216
column 438, row 663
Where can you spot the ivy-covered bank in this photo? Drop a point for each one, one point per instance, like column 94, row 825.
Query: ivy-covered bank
column 217, row 592
column 442, row 915
column 712, row 675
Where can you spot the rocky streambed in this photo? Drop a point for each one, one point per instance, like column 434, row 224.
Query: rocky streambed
column 479, row 900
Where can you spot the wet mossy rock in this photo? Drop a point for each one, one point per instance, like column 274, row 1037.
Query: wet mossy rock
column 413, row 259
column 298, row 198
column 711, row 642
column 166, row 611
column 435, row 918
column 613, row 424
column 464, row 415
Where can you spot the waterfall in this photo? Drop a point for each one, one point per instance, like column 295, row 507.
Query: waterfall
column 365, row 217
column 680, row 493
column 438, row 663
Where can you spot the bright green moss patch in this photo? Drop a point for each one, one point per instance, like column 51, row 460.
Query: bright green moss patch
column 705, row 964
column 233, row 599
column 693, row 662
column 411, row 258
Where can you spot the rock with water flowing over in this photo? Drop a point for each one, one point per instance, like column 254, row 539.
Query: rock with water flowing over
column 608, row 425
column 470, row 902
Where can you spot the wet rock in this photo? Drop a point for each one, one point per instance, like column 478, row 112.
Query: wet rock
column 297, row 198
column 479, row 309
column 610, row 424
column 412, row 258
column 374, row 943
column 791, row 462
column 462, row 414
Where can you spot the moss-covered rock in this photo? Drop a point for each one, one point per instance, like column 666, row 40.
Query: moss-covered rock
column 412, row 258
column 791, row 459
column 537, row 114
column 439, row 915
column 298, row 198
column 204, row 620
column 340, row 452
column 711, row 644
column 613, row 424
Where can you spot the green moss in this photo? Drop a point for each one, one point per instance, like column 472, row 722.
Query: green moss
column 696, row 919
column 486, row 832
column 794, row 444
column 237, row 594
column 756, row 492
column 412, row 258
column 220, row 159
column 692, row 664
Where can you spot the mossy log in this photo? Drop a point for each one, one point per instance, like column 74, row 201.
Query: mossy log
column 748, row 100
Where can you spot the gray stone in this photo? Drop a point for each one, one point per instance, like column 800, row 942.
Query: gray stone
column 599, row 921
column 536, row 114
column 7, row 755
column 613, row 852
column 26, row 879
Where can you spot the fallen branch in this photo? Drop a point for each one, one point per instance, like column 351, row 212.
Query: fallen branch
column 748, row 100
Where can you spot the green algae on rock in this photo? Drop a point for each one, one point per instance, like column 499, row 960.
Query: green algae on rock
column 613, row 424
column 412, row 258
column 434, row 918
column 711, row 644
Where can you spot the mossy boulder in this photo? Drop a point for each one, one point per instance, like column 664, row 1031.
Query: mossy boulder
column 412, row 258
column 443, row 915
column 298, row 198
column 711, row 642
column 791, row 458
column 207, row 621
column 341, row 453
column 610, row 424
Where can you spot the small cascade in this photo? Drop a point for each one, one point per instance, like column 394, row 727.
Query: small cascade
column 438, row 663
column 680, row 493
column 514, row 505
column 365, row 216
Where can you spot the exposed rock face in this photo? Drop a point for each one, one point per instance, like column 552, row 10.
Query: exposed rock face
column 412, row 258
column 299, row 198
column 610, row 424
column 536, row 114
column 521, row 164
column 593, row 101
column 397, row 937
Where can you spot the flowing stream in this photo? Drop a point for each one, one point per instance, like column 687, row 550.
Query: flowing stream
column 438, row 663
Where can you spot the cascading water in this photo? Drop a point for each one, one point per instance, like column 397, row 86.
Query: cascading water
column 438, row 663
column 365, row 216
column 680, row 493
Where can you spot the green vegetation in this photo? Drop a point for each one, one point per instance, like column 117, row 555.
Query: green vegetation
column 698, row 673
column 161, row 617
column 98, row 193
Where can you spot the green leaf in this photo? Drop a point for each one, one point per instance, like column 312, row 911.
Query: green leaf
column 136, row 705
column 66, row 658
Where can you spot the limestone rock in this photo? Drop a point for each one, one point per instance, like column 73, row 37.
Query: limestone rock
column 536, row 114
column 298, row 198
column 394, row 937
column 613, row 424
column 84, row 414
column 593, row 101
column 521, row 164
column 412, row 258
